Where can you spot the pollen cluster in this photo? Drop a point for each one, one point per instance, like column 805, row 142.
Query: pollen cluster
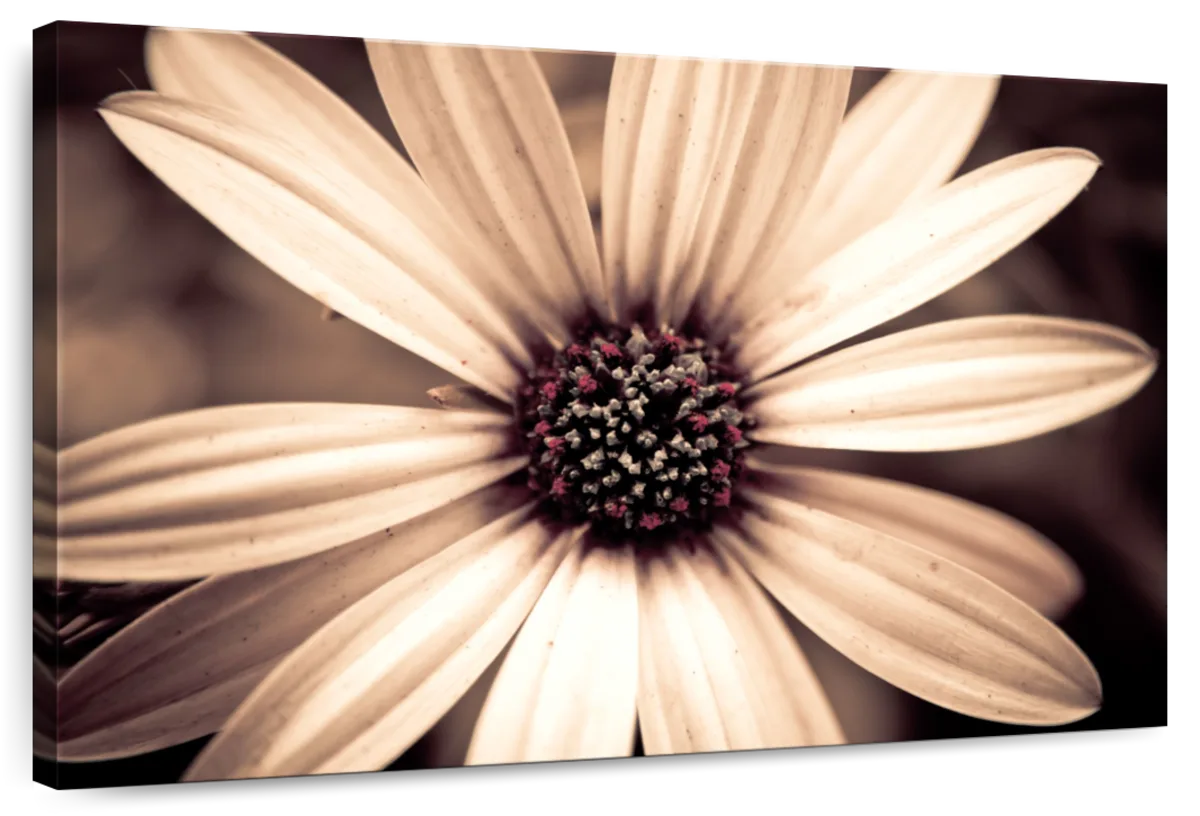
column 634, row 431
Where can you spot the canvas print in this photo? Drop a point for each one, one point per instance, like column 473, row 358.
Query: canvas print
column 405, row 405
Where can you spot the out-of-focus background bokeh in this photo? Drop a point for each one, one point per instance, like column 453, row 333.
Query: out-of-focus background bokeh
column 158, row 312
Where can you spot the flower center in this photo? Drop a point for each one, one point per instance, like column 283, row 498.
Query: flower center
column 636, row 432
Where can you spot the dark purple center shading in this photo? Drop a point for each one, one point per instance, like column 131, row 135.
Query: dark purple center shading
column 639, row 433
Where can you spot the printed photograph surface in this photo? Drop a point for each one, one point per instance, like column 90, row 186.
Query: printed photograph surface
column 404, row 405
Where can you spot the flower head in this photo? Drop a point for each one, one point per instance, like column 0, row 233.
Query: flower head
column 365, row 564
column 629, row 431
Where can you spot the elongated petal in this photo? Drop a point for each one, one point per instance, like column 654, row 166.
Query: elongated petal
column 237, row 71
column 999, row 548
column 780, row 124
column 953, row 385
column 367, row 685
column 916, row 255
column 483, row 129
column 719, row 669
column 178, row 672
column 325, row 230
column 906, row 138
column 661, row 135
column 567, row 688
column 915, row 619
column 45, row 511
column 45, row 516
column 45, row 473
column 228, row 489
column 466, row 398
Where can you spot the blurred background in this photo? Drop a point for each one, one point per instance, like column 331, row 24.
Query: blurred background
column 151, row 311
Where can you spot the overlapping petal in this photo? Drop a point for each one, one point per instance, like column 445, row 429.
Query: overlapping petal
column 776, row 131
column 661, row 134
column 568, row 686
column 367, row 685
column 483, row 129
column 222, row 490
column 237, row 71
column 927, row 248
column 706, row 164
column 904, row 139
column 719, row 670
column 998, row 547
column 953, row 385
column 914, row 618
column 179, row 671
column 328, row 232
column 45, row 509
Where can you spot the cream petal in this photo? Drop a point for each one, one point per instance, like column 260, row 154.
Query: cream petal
column 466, row 398
column 913, row 618
column 906, row 138
column 1001, row 549
column 326, row 231
column 483, row 129
column 954, row 385
column 777, row 133
column 179, row 671
column 366, row 686
column 227, row 489
column 568, row 686
column 916, row 255
column 237, row 71
column 661, row 136
column 719, row 669
column 45, row 473
column 45, row 505
column 45, row 515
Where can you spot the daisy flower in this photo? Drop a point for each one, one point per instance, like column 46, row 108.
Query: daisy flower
column 595, row 498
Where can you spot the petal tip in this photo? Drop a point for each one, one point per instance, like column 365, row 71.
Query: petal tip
column 1150, row 356
column 107, row 104
column 1083, row 153
column 1087, row 162
column 1073, row 715
column 1070, row 590
column 1145, row 363
column 1087, row 709
column 1144, row 357
column 1091, row 695
column 122, row 101
column 1087, row 157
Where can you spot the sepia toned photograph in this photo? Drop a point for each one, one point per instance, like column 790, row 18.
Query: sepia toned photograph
column 406, row 405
